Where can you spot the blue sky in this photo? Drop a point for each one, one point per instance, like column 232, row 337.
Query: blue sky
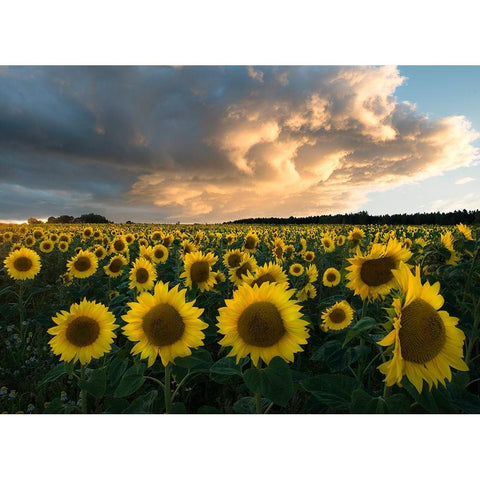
column 438, row 91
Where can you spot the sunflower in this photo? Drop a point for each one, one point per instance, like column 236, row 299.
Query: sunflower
column 328, row 244
column 143, row 242
column 289, row 250
column 164, row 324
column 426, row 342
column 465, row 231
column 371, row 275
column 114, row 268
column 341, row 240
column 337, row 317
column 64, row 237
column 46, row 246
column 22, row 264
column 62, row 246
column 156, row 236
column 83, row 265
column 270, row 272
column 129, row 238
column 159, row 253
column 312, row 273
column 278, row 248
column 331, row 277
column 146, row 253
column 308, row 291
column 251, row 242
column 30, row 241
column 186, row 248
column 296, row 269
column 83, row 333
column 119, row 245
column 198, row 270
column 100, row 252
column 233, row 258
column 355, row 236
column 142, row 275
column 263, row 322
column 167, row 240
column 248, row 264
column 309, row 256
column 87, row 233
column 38, row 234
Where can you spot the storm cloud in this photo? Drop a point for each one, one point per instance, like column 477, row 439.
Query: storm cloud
column 211, row 144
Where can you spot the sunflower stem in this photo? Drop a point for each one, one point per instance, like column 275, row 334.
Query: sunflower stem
column 469, row 277
column 258, row 403
column 361, row 363
column 167, row 389
column 83, row 391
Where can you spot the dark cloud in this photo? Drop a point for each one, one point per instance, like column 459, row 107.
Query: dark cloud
column 212, row 143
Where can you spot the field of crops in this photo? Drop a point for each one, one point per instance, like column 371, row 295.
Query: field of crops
column 239, row 319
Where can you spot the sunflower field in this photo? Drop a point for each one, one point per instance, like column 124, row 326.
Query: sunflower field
column 141, row 318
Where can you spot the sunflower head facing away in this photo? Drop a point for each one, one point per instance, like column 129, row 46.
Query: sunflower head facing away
column 263, row 322
column 83, row 265
column 426, row 342
column 371, row 276
column 22, row 264
column 164, row 325
column 83, row 333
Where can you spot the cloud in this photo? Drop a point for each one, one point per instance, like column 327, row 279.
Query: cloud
column 214, row 143
column 470, row 201
column 462, row 181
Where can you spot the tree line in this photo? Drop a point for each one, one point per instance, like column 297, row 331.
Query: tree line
column 467, row 217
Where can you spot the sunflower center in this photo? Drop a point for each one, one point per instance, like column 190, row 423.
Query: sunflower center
column 116, row 265
column 142, row 275
column 250, row 243
column 326, row 244
column 331, row 277
column 99, row 253
column 267, row 277
column 261, row 325
column 200, row 271
column 118, row 245
column 159, row 253
column 422, row 333
column 278, row 251
column 377, row 271
column 297, row 269
column 47, row 245
column 83, row 331
column 234, row 260
column 308, row 257
column 163, row 325
column 22, row 264
column 337, row 315
column 82, row 264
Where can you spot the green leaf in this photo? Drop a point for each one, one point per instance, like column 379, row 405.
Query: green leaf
column 142, row 404
column 179, row 407
column 130, row 382
column 362, row 402
column 333, row 390
column 55, row 406
column 199, row 361
column 207, row 409
column 273, row 382
column 398, row 403
column 96, row 382
column 116, row 405
column 116, row 369
column 226, row 366
column 57, row 372
column 365, row 323
column 248, row 405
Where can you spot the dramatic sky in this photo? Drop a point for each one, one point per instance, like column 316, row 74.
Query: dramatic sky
column 209, row 144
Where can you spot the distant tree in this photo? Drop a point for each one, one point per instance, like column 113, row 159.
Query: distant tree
column 128, row 222
column 33, row 221
column 91, row 218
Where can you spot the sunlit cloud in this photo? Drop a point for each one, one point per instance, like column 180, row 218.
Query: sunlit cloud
column 462, row 181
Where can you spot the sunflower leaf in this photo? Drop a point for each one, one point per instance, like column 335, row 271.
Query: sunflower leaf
column 130, row 382
column 273, row 382
column 96, row 383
